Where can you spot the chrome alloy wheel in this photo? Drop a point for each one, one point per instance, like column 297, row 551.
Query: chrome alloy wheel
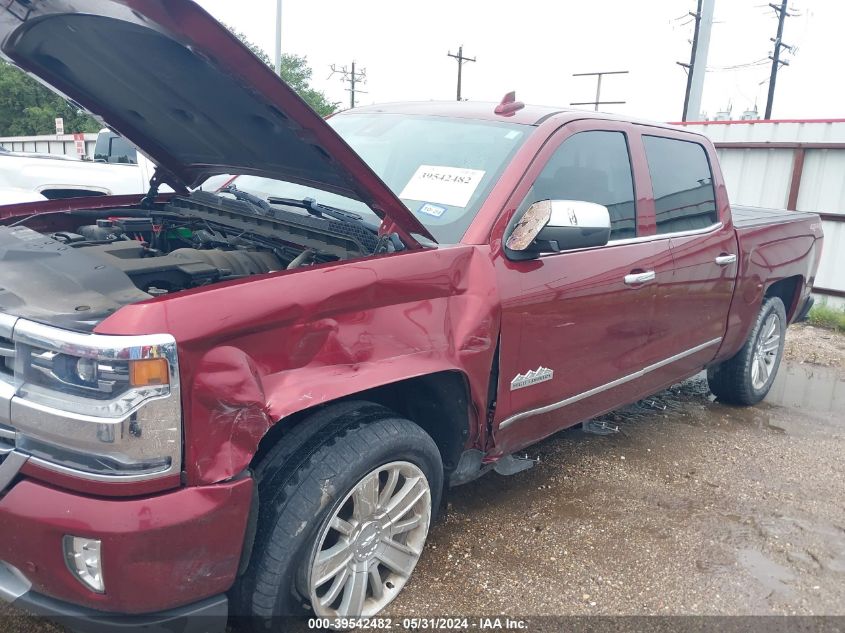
column 766, row 351
column 371, row 542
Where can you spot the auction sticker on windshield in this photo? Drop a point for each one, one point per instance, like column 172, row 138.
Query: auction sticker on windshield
column 432, row 209
column 453, row 186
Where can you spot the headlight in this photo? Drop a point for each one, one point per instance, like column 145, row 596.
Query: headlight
column 102, row 407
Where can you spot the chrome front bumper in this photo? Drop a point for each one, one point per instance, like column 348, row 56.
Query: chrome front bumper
column 11, row 465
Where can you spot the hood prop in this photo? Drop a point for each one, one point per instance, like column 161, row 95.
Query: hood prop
column 159, row 178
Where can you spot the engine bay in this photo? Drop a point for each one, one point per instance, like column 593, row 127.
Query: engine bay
column 74, row 268
column 204, row 238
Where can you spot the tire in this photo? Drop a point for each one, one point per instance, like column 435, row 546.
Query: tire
column 323, row 469
column 746, row 378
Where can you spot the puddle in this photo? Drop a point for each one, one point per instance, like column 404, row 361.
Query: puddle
column 814, row 390
column 682, row 400
column 692, row 506
column 797, row 386
column 809, row 387
column 765, row 571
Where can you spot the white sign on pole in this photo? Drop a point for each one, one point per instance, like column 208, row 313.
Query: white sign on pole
column 60, row 126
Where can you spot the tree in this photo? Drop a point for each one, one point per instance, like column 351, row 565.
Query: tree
column 28, row 108
column 296, row 73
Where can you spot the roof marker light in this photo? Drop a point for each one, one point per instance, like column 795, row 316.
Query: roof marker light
column 509, row 105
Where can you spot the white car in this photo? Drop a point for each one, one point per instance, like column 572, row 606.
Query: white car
column 117, row 169
column 12, row 195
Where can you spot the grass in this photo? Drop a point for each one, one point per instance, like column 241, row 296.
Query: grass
column 824, row 316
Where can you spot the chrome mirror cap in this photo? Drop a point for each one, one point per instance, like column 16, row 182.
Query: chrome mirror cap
column 550, row 226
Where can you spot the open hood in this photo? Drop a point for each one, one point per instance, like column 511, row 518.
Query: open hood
column 189, row 94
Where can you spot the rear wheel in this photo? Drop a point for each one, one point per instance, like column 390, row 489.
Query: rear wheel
column 345, row 504
column 746, row 378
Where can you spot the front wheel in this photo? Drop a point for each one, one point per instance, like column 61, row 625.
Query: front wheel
column 746, row 378
column 345, row 504
column 370, row 542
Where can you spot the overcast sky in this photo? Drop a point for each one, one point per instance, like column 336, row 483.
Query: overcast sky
column 534, row 46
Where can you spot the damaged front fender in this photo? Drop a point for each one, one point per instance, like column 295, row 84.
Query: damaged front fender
column 229, row 395
column 255, row 352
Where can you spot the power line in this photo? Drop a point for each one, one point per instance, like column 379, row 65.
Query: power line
column 353, row 77
column 777, row 62
column 759, row 62
column 598, row 77
column 460, row 59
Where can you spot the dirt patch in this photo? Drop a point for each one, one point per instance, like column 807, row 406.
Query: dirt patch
column 817, row 346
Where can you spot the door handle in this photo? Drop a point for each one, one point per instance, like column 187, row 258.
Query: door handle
column 635, row 279
column 725, row 260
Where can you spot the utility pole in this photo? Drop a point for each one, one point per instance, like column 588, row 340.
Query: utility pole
column 354, row 77
column 697, row 67
column 598, row 77
column 775, row 56
column 691, row 66
column 279, row 37
column 460, row 59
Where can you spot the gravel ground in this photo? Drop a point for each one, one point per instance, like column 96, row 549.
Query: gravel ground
column 816, row 346
column 693, row 507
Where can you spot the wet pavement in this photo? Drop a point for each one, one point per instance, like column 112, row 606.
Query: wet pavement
column 692, row 507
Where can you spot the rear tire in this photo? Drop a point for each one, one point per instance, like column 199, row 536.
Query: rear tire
column 746, row 378
column 325, row 498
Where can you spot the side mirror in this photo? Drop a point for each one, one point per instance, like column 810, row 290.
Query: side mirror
column 552, row 226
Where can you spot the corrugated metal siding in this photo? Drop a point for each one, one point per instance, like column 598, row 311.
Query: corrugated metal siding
column 833, row 258
column 762, row 177
column 823, row 183
column 823, row 191
column 757, row 177
column 772, row 131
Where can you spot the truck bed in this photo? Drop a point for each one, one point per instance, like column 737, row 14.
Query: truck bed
column 774, row 245
column 748, row 217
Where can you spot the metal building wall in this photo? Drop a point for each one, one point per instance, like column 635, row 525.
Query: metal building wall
column 797, row 164
column 757, row 177
column 63, row 145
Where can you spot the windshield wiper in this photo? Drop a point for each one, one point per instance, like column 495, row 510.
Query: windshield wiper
column 309, row 204
column 244, row 196
column 263, row 207
column 315, row 208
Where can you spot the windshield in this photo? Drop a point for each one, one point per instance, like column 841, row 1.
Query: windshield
column 443, row 169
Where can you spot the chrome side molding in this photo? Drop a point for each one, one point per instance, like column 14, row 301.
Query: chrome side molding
column 615, row 383
column 718, row 226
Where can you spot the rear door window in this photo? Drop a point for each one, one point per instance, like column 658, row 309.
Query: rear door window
column 682, row 181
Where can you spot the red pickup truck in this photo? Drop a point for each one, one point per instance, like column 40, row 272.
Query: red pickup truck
column 251, row 400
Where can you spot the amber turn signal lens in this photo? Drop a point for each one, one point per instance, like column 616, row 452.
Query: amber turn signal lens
column 148, row 373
